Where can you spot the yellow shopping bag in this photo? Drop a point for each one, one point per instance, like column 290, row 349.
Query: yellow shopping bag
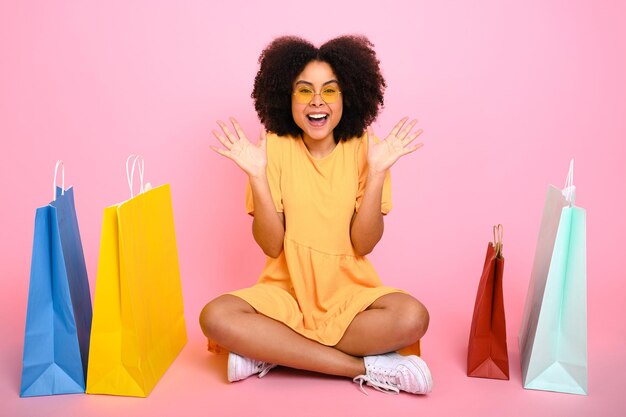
column 138, row 324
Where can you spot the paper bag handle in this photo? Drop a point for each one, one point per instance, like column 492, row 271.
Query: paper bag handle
column 54, row 184
column 130, row 172
column 498, row 233
column 569, row 191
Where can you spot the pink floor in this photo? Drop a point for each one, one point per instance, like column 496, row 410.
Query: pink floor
column 196, row 385
column 506, row 92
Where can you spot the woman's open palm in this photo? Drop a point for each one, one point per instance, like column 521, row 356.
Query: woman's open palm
column 251, row 158
column 382, row 155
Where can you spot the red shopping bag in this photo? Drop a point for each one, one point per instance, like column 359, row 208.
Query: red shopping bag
column 487, row 355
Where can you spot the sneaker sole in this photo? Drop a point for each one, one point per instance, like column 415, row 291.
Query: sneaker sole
column 232, row 367
column 422, row 368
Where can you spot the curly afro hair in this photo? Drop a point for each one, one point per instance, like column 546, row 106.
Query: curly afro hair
column 353, row 61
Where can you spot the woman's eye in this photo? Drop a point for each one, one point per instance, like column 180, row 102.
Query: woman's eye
column 305, row 91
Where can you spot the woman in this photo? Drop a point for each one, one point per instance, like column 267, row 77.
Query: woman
column 318, row 189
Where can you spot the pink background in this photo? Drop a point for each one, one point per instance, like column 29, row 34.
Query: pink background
column 506, row 92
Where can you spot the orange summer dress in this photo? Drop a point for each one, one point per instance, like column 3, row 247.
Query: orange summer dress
column 318, row 284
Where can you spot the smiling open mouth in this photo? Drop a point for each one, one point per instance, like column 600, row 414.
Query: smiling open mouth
column 317, row 119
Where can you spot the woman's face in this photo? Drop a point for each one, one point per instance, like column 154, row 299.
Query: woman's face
column 317, row 118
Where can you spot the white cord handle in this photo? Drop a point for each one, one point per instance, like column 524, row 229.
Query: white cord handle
column 569, row 189
column 54, row 184
column 130, row 172
column 498, row 233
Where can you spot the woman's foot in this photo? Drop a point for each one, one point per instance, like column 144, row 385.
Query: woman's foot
column 393, row 372
column 240, row 367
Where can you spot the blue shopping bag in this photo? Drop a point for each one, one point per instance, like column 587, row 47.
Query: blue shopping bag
column 553, row 336
column 58, row 318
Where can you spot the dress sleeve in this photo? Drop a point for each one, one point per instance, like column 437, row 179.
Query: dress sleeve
column 273, row 170
column 385, row 205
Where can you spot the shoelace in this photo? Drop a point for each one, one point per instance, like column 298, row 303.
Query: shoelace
column 264, row 368
column 381, row 380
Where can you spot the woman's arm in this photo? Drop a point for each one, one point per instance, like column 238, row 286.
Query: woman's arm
column 268, row 226
column 367, row 224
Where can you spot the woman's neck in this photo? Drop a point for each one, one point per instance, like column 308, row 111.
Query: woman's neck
column 319, row 148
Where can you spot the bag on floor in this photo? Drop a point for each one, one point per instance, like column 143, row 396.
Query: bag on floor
column 138, row 326
column 487, row 355
column 553, row 335
column 58, row 317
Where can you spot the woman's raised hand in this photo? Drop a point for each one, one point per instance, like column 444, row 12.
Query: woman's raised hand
column 251, row 158
column 382, row 155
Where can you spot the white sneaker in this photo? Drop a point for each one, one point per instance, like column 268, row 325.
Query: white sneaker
column 393, row 372
column 240, row 367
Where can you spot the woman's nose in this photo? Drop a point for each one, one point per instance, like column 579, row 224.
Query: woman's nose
column 317, row 100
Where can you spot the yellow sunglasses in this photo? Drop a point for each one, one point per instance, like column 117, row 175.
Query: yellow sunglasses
column 304, row 94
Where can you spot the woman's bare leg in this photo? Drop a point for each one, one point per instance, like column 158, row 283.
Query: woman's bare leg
column 234, row 324
column 390, row 323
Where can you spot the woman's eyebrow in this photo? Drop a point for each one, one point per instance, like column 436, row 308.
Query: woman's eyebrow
column 310, row 83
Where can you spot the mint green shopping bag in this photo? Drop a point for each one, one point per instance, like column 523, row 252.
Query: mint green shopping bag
column 553, row 335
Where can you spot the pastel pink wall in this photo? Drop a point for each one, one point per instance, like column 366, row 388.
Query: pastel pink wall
column 506, row 92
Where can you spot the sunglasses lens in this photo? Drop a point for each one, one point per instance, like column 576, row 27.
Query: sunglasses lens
column 330, row 94
column 304, row 95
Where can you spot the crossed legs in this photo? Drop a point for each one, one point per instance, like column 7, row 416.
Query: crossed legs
column 390, row 323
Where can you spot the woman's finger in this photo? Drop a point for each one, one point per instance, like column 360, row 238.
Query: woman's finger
column 238, row 129
column 231, row 137
column 262, row 139
column 370, row 136
column 398, row 126
column 227, row 144
column 407, row 129
column 221, row 152
column 410, row 149
column 411, row 138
